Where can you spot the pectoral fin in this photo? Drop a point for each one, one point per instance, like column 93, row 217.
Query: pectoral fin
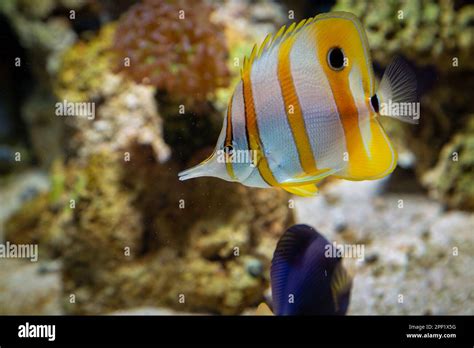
column 399, row 86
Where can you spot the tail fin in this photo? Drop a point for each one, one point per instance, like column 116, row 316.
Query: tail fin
column 397, row 92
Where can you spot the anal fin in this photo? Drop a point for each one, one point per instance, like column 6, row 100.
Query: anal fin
column 308, row 190
column 307, row 178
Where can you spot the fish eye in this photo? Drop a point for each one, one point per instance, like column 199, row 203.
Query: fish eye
column 336, row 58
column 228, row 150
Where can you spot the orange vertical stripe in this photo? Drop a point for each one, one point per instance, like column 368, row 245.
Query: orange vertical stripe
column 339, row 83
column 295, row 119
column 228, row 140
column 251, row 127
column 228, row 133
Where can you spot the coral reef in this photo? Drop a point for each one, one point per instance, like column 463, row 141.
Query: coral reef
column 446, row 115
column 184, row 53
column 452, row 178
column 45, row 131
column 41, row 10
column 44, row 216
column 116, row 229
column 126, row 242
column 27, row 288
column 128, row 115
column 426, row 32
column 150, row 238
column 124, row 111
column 79, row 80
column 43, row 38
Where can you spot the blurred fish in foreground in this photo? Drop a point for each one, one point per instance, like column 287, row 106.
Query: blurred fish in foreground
column 304, row 280
column 306, row 108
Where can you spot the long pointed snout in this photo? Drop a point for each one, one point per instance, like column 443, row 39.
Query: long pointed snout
column 209, row 167
column 194, row 172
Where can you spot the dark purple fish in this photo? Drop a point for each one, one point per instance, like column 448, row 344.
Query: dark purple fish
column 304, row 281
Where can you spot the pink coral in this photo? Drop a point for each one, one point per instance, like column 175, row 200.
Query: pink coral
column 174, row 46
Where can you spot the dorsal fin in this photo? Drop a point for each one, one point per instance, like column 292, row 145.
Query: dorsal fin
column 278, row 34
column 249, row 61
column 301, row 23
column 289, row 30
column 272, row 41
column 264, row 44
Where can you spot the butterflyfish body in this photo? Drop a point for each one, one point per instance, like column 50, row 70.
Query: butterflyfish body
column 305, row 108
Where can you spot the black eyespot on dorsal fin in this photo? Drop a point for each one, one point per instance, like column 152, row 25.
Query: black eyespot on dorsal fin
column 374, row 101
